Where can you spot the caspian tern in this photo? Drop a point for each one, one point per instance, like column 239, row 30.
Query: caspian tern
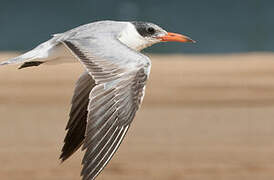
column 110, row 91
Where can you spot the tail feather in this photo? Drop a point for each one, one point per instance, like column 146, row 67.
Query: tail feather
column 41, row 52
column 17, row 60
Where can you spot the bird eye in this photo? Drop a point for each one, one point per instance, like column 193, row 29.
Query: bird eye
column 151, row 30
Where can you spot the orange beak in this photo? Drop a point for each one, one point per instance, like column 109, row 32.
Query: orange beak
column 176, row 37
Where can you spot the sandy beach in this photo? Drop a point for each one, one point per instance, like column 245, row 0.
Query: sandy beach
column 204, row 117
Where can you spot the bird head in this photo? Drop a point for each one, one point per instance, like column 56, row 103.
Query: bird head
column 139, row 35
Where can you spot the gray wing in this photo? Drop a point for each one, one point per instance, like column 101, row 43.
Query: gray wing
column 120, row 78
column 76, row 125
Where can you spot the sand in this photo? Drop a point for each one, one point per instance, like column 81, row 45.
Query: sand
column 204, row 117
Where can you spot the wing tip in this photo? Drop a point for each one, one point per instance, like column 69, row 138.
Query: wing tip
column 62, row 157
column 30, row 64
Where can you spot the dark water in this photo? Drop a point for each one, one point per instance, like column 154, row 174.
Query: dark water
column 219, row 26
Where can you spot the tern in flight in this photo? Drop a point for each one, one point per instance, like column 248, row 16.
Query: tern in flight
column 110, row 91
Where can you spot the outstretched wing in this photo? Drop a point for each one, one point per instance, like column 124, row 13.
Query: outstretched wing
column 110, row 114
column 120, row 78
column 76, row 125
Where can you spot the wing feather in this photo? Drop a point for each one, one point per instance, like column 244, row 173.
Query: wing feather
column 113, row 102
column 76, row 125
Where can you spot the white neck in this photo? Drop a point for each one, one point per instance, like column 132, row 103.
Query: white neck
column 130, row 37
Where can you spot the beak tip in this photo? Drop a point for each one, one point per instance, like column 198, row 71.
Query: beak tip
column 188, row 39
column 192, row 41
column 176, row 37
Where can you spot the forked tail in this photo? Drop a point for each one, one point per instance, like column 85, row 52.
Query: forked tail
column 24, row 58
column 35, row 56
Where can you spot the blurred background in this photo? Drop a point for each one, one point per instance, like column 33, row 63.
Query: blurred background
column 240, row 26
column 208, row 110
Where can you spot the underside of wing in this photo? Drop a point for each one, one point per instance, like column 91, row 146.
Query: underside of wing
column 110, row 113
column 120, row 82
column 76, row 125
